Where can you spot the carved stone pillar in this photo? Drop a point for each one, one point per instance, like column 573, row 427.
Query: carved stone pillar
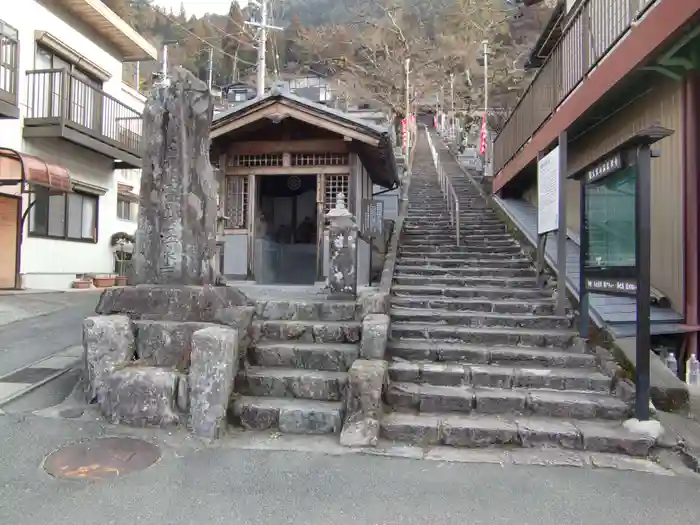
column 342, row 271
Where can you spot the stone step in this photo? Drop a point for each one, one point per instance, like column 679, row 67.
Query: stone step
column 469, row 270
column 449, row 280
column 485, row 234
column 437, row 260
column 293, row 416
column 305, row 310
column 449, row 241
column 435, row 253
column 482, row 292
column 318, row 385
column 483, row 335
column 439, row 351
column 308, row 331
column 486, row 431
column 477, row 218
column 442, row 304
column 495, row 376
column 534, row 402
column 309, row 356
column 480, row 319
column 460, row 252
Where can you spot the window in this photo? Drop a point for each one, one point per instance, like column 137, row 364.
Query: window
column 124, row 209
column 239, row 96
column 8, row 59
column 70, row 216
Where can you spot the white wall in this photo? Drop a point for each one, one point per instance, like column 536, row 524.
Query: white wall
column 51, row 263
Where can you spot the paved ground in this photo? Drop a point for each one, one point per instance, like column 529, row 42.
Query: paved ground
column 35, row 326
column 194, row 483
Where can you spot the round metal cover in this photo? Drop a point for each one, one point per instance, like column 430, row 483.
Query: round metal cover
column 101, row 459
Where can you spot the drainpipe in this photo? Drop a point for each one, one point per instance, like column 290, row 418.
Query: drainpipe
column 691, row 197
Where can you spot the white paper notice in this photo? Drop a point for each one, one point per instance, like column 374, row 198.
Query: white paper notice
column 548, row 192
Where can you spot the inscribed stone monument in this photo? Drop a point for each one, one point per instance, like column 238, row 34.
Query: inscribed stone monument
column 176, row 237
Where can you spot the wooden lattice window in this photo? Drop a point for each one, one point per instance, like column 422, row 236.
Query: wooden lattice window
column 236, row 208
column 252, row 161
column 335, row 184
column 320, row 159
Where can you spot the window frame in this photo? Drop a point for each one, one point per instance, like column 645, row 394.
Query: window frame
column 66, row 201
column 127, row 204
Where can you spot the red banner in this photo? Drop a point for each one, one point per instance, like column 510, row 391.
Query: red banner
column 482, row 138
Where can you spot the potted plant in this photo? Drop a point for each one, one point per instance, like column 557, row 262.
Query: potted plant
column 103, row 281
column 122, row 245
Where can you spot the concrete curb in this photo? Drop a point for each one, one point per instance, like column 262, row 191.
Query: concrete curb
column 37, row 374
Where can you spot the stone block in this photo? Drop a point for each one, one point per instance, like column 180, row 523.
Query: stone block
column 303, row 419
column 108, row 342
column 542, row 432
column 366, row 380
column 422, row 430
column 443, row 374
column 446, row 399
column 478, row 431
column 613, row 437
column 140, row 396
column 212, row 372
column 492, row 376
column 372, row 302
column 170, row 303
column 375, row 332
column 499, row 401
column 166, row 343
column 401, row 371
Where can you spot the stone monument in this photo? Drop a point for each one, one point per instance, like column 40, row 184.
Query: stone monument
column 167, row 349
column 343, row 231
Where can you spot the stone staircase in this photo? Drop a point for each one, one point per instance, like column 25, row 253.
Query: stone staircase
column 477, row 355
column 294, row 376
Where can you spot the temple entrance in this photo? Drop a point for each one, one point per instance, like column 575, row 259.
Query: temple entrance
column 285, row 229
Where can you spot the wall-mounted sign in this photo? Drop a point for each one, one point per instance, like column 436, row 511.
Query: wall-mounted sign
column 611, row 286
column 548, row 192
column 372, row 217
column 604, row 168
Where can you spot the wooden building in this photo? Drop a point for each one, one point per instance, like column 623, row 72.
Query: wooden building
column 283, row 160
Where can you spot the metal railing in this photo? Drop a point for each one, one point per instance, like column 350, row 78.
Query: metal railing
column 57, row 96
column 448, row 190
column 591, row 31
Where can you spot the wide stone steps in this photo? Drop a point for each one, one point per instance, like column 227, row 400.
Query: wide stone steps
column 478, row 431
column 526, row 401
column 407, row 279
column 483, row 335
column 310, row 356
column 480, row 319
column 442, row 304
column 497, row 376
column 292, row 416
column 442, row 351
column 464, row 243
column 461, row 252
column 473, row 292
column 472, row 270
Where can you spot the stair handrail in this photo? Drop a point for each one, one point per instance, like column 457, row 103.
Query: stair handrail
column 448, row 190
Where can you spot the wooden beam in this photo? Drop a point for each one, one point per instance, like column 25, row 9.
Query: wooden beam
column 264, row 147
column 292, row 170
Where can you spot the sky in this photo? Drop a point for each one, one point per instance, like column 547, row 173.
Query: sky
column 197, row 7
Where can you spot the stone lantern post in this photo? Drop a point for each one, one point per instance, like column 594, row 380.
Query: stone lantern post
column 342, row 271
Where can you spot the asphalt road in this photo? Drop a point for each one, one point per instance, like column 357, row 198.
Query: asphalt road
column 215, row 485
column 48, row 323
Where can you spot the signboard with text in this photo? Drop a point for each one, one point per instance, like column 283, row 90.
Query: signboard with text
column 548, row 192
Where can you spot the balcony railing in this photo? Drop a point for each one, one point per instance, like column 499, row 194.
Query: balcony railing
column 57, row 97
column 591, row 31
column 9, row 59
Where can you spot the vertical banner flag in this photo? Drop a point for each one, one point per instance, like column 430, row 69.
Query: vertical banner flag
column 482, row 138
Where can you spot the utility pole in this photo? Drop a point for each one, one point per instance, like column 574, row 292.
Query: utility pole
column 408, row 106
column 486, row 94
column 262, row 46
column 166, row 43
column 211, row 67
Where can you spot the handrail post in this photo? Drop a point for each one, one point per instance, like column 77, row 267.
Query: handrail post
column 458, row 220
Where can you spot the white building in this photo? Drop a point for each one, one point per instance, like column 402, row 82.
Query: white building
column 70, row 140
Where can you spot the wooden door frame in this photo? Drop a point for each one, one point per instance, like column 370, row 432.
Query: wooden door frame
column 18, row 238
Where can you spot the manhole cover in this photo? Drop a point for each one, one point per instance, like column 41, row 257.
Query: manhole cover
column 105, row 458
